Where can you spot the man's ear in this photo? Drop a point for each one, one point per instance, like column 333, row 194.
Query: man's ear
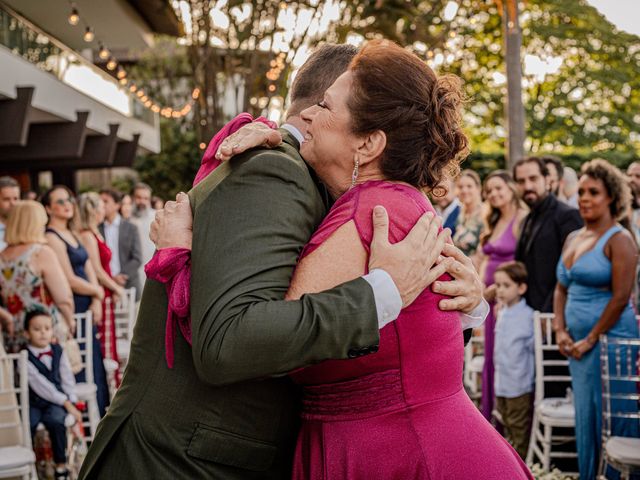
column 371, row 147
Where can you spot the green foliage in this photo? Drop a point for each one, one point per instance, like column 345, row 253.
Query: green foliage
column 174, row 168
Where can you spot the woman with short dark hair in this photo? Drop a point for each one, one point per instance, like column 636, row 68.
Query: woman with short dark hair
column 596, row 273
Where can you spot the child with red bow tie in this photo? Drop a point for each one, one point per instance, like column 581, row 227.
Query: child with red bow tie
column 51, row 385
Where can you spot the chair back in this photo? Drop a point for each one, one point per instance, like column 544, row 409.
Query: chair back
column 84, row 337
column 619, row 362
column 552, row 370
column 14, row 400
column 125, row 314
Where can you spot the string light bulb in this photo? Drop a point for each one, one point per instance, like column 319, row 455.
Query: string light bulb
column 103, row 53
column 121, row 73
column 123, row 81
column 74, row 17
column 88, row 35
column 112, row 64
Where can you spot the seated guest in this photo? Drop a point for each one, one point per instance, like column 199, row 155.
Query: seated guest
column 513, row 355
column 87, row 292
column 51, row 386
column 31, row 275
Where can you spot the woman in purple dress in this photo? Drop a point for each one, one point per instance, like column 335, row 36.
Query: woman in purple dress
column 498, row 242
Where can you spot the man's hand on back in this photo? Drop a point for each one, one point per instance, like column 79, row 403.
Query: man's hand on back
column 421, row 258
column 466, row 287
column 412, row 262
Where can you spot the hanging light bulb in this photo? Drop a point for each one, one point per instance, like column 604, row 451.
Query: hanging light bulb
column 88, row 35
column 112, row 64
column 103, row 53
column 123, row 81
column 133, row 88
column 74, row 18
column 121, row 73
column 155, row 108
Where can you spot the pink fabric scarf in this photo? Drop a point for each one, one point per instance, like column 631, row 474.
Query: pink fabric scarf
column 172, row 266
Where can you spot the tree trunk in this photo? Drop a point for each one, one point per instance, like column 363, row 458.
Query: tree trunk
column 514, row 108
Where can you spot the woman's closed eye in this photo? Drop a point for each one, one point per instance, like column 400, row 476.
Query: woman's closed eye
column 322, row 104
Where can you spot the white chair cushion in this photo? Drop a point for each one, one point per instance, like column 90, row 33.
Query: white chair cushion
column 86, row 391
column 559, row 408
column 476, row 364
column 16, row 456
column 624, row 450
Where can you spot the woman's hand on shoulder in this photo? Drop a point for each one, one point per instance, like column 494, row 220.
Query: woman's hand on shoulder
column 252, row 135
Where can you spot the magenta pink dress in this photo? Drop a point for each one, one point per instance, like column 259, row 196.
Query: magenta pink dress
column 400, row 413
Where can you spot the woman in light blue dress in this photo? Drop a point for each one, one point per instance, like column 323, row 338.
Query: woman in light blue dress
column 596, row 273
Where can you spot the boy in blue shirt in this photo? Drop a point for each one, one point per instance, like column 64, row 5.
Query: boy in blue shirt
column 513, row 355
column 51, row 386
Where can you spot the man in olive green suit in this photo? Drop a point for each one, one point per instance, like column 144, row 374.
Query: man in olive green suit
column 226, row 410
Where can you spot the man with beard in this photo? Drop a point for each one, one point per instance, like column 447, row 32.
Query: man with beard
column 142, row 217
column 556, row 173
column 543, row 232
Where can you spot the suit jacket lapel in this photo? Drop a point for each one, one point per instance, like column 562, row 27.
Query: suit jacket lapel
column 121, row 242
column 540, row 221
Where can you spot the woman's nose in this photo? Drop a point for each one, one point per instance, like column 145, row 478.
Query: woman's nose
column 308, row 113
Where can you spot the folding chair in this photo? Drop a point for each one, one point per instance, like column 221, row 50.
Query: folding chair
column 473, row 364
column 15, row 460
column 87, row 390
column 620, row 396
column 125, row 317
column 549, row 412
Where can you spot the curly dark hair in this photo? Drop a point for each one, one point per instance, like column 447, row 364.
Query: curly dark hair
column 419, row 112
column 614, row 182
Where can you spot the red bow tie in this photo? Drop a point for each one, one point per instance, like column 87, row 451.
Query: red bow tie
column 44, row 354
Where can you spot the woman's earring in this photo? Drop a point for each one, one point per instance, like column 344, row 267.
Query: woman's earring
column 354, row 175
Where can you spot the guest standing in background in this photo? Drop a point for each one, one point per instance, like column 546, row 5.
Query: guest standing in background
column 32, row 277
column 126, row 206
column 596, row 274
column 143, row 216
column 448, row 206
column 157, row 203
column 123, row 240
column 87, row 292
column 514, row 355
column 469, row 225
column 555, row 173
column 91, row 214
column 498, row 241
column 543, row 233
column 9, row 195
column 569, row 188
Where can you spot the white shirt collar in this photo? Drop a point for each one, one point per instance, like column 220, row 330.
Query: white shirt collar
column 116, row 221
column 450, row 208
column 294, row 131
column 36, row 351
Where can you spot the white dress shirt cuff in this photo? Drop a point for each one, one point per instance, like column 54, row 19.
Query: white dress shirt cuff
column 386, row 294
column 476, row 317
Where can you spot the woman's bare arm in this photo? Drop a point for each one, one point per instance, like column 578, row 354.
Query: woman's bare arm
column 341, row 258
column 78, row 285
column 46, row 261
column 104, row 279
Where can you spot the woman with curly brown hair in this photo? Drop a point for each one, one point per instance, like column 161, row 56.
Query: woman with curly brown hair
column 595, row 273
column 401, row 412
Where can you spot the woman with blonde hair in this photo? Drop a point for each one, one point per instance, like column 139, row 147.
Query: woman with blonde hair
column 505, row 213
column 31, row 274
column 90, row 215
column 469, row 225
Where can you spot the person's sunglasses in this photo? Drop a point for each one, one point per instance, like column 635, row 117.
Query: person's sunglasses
column 64, row 201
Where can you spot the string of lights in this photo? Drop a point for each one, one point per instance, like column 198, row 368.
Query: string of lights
column 112, row 64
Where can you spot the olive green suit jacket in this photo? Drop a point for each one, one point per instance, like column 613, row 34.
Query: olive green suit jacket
column 226, row 409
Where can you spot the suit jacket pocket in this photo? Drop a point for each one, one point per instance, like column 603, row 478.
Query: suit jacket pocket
column 215, row 445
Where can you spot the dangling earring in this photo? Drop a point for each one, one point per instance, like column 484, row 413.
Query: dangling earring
column 354, row 175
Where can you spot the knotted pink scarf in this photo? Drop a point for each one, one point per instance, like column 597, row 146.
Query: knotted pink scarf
column 172, row 266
